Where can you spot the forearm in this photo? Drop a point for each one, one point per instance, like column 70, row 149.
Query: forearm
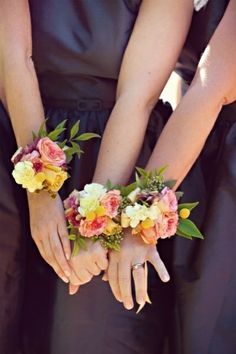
column 184, row 135
column 22, row 99
column 18, row 82
column 152, row 52
column 213, row 86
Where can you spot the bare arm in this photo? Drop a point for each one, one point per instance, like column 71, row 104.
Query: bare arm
column 21, row 96
column 20, row 92
column 214, row 85
column 152, row 52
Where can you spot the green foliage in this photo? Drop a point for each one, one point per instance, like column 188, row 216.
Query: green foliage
column 87, row 136
column 79, row 243
column 187, row 228
column 189, row 206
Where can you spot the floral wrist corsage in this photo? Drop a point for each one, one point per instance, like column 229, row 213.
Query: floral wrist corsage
column 148, row 206
column 43, row 164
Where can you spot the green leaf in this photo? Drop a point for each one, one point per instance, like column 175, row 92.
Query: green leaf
column 54, row 135
column 160, row 171
column 179, row 233
column 72, row 237
column 189, row 206
column 142, row 172
column 82, row 243
column 62, row 144
column 42, row 130
column 171, row 183
column 179, row 195
column 188, row 228
column 34, row 135
column 61, row 125
column 75, row 249
column 87, row 136
column 126, row 190
column 74, row 130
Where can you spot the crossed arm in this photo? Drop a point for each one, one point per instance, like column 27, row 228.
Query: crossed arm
column 214, row 85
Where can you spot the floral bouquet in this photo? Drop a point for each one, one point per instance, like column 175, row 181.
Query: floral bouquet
column 152, row 210
column 43, row 164
column 148, row 206
column 94, row 213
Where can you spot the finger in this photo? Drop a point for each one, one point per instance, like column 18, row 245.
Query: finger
column 140, row 285
column 93, row 269
column 63, row 233
column 83, row 274
column 124, row 275
column 74, row 280
column 73, row 289
column 156, row 261
column 112, row 275
column 102, row 261
column 52, row 261
column 105, row 276
column 59, row 254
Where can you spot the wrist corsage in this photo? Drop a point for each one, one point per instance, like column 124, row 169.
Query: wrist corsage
column 43, row 164
column 94, row 213
column 148, row 206
column 152, row 210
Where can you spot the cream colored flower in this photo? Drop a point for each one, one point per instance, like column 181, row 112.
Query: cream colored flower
column 138, row 213
column 133, row 195
column 90, row 198
column 23, row 172
column 37, row 182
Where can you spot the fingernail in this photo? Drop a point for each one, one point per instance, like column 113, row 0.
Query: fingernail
column 68, row 256
column 67, row 273
column 65, row 279
column 140, row 307
column 148, row 299
column 166, row 278
column 129, row 306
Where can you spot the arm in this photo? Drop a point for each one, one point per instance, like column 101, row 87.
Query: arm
column 20, row 93
column 213, row 86
column 150, row 57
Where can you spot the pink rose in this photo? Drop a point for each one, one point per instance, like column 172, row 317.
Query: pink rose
column 149, row 236
column 168, row 198
column 111, row 202
column 167, row 226
column 30, row 156
column 93, row 228
column 50, row 152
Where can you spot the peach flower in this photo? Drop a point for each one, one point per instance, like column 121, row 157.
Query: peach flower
column 94, row 227
column 111, row 202
column 168, row 201
column 50, row 152
column 149, row 235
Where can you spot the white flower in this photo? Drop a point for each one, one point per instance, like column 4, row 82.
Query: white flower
column 25, row 175
column 138, row 213
column 90, row 197
column 132, row 196
column 94, row 190
column 23, row 172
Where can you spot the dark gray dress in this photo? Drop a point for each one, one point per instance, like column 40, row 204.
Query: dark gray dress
column 205, row 270
column 77, row 50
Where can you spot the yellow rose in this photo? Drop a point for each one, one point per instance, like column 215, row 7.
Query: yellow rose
column 37, row 182
column 112, row 228
column 55, row 178
column 88, row 204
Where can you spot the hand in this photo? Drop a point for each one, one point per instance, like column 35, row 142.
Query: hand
column 86, row 264
column 49, row 232
column 133, row 251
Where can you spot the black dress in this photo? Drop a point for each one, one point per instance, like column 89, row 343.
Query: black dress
column 77, row 51
column 205, row 270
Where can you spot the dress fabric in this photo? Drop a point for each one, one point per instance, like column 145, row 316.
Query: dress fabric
column 77, row 51
column 204, row 270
